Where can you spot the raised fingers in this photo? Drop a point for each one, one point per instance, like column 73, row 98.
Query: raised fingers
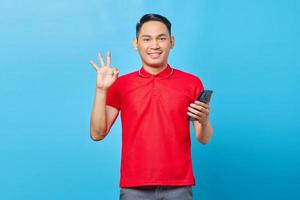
column 94, row 65
column 108, row 58
column 101, row 59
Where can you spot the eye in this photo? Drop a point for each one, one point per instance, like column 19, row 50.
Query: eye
column 162, row 38
column 146, row 39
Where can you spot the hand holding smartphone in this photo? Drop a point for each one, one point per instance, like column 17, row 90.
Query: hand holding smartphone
column 204, row 97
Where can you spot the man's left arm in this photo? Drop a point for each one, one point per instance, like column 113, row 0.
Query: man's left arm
column 203, row 129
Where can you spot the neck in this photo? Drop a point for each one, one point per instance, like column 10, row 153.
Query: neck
column 155, row 70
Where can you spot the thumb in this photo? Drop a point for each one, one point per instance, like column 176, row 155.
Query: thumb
column 115, row 72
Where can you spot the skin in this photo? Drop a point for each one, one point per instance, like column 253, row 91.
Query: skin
column 103, row 116
column 153, row 45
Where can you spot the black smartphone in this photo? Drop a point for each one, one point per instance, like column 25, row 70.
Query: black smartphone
column 204, row 97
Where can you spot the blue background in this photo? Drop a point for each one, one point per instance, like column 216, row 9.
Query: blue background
column 246, row 51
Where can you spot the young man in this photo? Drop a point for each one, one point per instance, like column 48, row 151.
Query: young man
column 155, row 103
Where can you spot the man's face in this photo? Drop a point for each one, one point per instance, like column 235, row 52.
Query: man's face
column 154, row 43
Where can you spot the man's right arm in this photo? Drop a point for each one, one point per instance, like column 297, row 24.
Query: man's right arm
column 102, row 117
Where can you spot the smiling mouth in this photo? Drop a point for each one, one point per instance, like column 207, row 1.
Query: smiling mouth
column 154, row 54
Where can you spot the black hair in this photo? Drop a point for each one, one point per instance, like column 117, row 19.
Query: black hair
column 152, row 17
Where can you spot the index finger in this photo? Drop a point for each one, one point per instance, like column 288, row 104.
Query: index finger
column 202, row 104
column 94, row 65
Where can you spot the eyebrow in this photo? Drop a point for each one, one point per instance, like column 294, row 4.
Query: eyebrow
column 160, row 35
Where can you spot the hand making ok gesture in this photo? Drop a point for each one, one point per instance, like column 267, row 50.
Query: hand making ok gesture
column 106, row 75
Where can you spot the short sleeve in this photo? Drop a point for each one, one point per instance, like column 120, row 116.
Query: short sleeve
column 198, row 88
column 113, row 95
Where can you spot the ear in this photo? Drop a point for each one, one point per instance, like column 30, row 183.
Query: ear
column 172, row 42
column 134, row 44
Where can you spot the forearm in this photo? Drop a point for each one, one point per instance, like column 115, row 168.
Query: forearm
column 98, row 124
column 203, row 132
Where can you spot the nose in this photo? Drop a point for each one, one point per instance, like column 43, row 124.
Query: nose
column 155, row 44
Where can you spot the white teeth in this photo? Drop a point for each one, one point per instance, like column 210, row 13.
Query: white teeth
column 154, row 55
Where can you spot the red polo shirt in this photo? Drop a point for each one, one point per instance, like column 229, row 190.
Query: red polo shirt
column 156, row 146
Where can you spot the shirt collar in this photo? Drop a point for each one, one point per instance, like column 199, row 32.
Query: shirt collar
column 166, row 73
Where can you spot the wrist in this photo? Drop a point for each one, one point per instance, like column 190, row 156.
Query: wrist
column 204, row 123
column 101, row 90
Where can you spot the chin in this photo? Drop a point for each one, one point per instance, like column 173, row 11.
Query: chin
column 156, row 65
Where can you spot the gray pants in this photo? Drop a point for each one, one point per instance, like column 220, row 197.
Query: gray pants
column 157, row 193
